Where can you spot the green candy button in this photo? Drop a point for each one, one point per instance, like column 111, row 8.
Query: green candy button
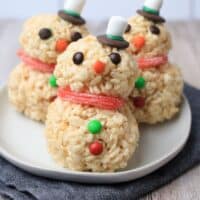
column 140, row 83
column 94, row 126
column 52, row 81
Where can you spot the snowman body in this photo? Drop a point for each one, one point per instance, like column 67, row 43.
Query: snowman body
column 158, row 98
column 43, row 38
column 98, row 72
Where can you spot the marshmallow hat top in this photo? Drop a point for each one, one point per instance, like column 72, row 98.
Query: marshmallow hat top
column 116, row 26
column 153, row 4
column 114, row 34
column 72, row 11
column 74, row 6
column 151, row 10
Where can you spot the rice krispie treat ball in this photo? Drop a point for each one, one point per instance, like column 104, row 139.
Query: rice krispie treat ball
column 159, row 94
column 31, row 85
column 158, row 90
column 90, row 126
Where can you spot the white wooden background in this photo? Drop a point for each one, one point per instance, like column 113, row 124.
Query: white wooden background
column 99, row 9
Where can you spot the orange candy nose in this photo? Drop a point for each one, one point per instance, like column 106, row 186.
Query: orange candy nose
column 99, row 67
column 61, row 45
column 138, row 42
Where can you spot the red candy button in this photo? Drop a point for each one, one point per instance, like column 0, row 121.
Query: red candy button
column 139, row 102
column 99, row 67
column 96, row 148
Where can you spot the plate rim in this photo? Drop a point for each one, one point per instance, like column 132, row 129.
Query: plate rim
column 128, row 174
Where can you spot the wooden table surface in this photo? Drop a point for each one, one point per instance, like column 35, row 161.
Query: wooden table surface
column 186, row 53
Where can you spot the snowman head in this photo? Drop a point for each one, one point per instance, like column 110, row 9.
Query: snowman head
column 147, row 38
column 90, row 66
column 44, row 37
column 100, row 65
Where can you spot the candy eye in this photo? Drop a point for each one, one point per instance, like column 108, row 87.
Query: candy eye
column 78, row 58
column 154, row 29
column 75, row 36
column 128, row 28
column 115, row 58
column 45, row 33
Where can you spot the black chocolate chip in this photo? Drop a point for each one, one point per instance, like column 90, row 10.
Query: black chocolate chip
column 75, row 36
column 45, row 33
column 154, row 29
column 78, row 58
column 115, row 58
column 128, row 28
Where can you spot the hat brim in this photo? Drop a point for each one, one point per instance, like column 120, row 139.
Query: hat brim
column 113, row 43
column 152, row 17
column 74, row 20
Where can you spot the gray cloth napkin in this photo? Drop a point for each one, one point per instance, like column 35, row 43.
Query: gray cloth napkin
column 19, row 185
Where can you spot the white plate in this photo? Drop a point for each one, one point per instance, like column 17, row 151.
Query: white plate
column 22, row 143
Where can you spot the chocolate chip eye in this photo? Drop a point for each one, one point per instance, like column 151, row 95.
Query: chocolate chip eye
column 78, row 58
column 115, row 58
column 154, row 29
column 45, row 33
column 128, row 28
column 75, row 36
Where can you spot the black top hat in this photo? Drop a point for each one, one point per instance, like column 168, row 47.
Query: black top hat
column 71, row 12
column 114, row 36
column 151, row 10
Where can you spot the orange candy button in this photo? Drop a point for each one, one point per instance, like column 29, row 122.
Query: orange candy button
column 99, row 67
column 138, row 42
column 61, row 45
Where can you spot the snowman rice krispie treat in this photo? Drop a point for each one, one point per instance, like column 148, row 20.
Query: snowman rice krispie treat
column 31, row 87
column 90, row 126
column 158, row 90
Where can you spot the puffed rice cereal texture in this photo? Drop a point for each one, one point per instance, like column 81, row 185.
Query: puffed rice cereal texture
column 30, row 92
column 162, row 92
column 68, row 138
